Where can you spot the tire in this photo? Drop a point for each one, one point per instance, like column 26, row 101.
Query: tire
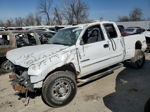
column 7, row 66
column 147, row 106
column 59, row 89
column 138, row 60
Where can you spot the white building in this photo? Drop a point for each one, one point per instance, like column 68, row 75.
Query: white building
column 143, row 24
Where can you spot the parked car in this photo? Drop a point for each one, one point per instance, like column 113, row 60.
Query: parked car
column 7, row 42
column 17, row 39
column 134, row 30
column 147, row 36
column 13, row 29
column 45, row 28
column 35, row 37
column 1, row 29
column 73, row 54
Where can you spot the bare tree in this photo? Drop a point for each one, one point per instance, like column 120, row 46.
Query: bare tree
column 19, row 21
column 38, row 20
column 68, row 15
column 136, row 14
column 75, row 11
column 123, row 19
column 80, row 11
column 1, row 23
column 45, row 9
column 58, row 19
column 29, row 20
column 9, row 23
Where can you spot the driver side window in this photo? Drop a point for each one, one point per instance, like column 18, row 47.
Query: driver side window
column 92, row 34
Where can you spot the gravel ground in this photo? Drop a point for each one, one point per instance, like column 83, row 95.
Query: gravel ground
column 126, row 90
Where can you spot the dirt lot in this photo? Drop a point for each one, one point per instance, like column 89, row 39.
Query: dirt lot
column 126, row 90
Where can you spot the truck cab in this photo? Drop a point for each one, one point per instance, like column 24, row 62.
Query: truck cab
column 99, row 46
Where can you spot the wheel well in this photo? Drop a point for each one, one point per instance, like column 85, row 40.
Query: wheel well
column 138, row 45
column 68, row 67
column 2, row 59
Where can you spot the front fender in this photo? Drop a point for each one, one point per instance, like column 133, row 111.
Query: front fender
column 41, row 70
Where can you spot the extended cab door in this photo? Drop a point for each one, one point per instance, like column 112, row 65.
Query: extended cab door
column 116, row 44
column 94, row 52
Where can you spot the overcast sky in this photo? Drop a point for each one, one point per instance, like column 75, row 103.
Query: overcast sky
column 108, row 9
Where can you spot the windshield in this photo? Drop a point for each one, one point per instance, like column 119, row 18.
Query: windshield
column 45, row 37
column 67, row 36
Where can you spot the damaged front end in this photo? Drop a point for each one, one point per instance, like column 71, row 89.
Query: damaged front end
column 21, row 81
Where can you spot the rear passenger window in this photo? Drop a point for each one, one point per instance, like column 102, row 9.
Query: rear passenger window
column 93, row 34
column 110, row 30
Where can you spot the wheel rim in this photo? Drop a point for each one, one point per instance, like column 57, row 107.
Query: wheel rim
column 140, row 59
column 61, row 90
column 7, row 66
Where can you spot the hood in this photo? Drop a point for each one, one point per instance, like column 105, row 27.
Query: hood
column 27, row 56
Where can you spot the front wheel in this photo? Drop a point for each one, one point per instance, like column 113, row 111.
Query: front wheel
column 138, row 60
column 59, row 88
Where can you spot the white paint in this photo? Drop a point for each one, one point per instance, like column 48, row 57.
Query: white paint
column 42, row 59
column 147, row 34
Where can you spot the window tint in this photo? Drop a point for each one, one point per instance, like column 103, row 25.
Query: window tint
column 139, row 31
column 93, row 34
column 110, row 30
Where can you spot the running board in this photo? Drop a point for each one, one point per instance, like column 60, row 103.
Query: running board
column 82, row 81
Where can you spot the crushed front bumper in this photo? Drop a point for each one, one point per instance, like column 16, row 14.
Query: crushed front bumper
column 21, row 83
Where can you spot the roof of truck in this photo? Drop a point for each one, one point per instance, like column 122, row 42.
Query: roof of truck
column 87, row 24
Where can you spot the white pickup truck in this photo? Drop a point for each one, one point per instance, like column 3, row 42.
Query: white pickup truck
column 147, row 36
column 71, row 55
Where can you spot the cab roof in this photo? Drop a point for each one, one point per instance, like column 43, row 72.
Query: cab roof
column 82, row 26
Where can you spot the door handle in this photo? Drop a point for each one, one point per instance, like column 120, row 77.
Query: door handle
column 106, row 45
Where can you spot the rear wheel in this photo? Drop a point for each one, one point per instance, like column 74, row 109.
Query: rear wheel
column 138, row 60
column 59, row 88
